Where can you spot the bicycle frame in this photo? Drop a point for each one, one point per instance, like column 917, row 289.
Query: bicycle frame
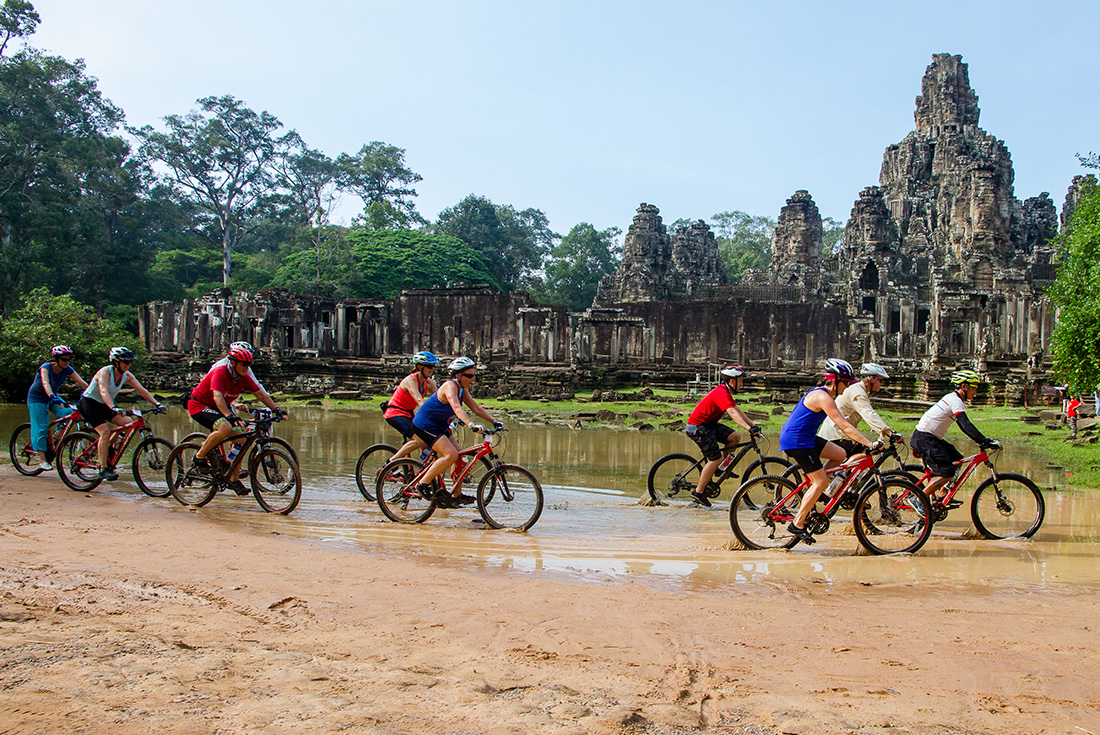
column 262, row 423
column 475, row 453
column 138, row 424
column 953, row 486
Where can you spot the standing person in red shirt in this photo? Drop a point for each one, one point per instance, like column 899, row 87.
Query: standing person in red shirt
column 1073, row 408
column 705, row 430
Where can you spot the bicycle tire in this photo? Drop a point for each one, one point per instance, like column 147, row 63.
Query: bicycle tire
column 276, row 480
column 190, row 487
column 23, row 458
column 752, row 508
column 1008, row 506
column 395, row 492
column 370, row 463
column 279, row 442
column 150, row 464
column 195, row 436
column 764, row 466
column 673, row 476
column 78, row 461
column 892, row 517
column 510, row 497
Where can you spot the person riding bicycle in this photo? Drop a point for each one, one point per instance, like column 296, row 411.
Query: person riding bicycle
column 211, row 405
column 855, row 404
column 97, row 403
column 928, row 443
column 704, row 429
column 410, row 394
column 42, row 399
column 800, row 441
column 432, row 424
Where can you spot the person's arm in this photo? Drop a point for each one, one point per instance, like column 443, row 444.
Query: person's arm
column 79, row 380
column 44, row 376
column 735, row 413
column 968, row 428
column 477, row 409
column 141, row 390
column 102, row 377
column 862, row 404
column 409, row 384
column 824, row 402
column 267, row 400
column 222, row 405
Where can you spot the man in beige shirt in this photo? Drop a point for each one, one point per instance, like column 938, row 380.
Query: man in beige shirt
column 855, row 404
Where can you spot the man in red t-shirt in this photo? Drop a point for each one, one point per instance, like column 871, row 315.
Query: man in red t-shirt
column 211, row 405
column 704, row 429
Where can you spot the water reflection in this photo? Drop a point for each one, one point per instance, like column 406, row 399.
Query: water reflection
column 593, row 529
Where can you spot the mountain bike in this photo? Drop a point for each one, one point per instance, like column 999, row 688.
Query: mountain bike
column 267, row 438
column 78, row 456
column 274, row 475
column 508, row 496
column 675, row 476
column 889, row 516
column 26, row 460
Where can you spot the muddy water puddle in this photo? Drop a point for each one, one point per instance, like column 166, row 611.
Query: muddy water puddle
column 593, row 529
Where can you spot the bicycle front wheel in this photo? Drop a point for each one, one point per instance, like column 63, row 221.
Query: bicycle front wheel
column 765, row 466
column 673, row 476
column 758, row 515
column 278, row 442
column 149, row 465
column 23, row 458
column 892, row 517
column 1007, row 506
column 396, row 492
column 510, row 497
column 276, row 480
column 370, row 463
column 187, row 483
column 78, row 461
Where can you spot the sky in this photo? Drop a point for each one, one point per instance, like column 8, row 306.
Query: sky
column 585, row 109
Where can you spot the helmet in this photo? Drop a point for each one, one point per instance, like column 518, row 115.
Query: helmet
column 425, row 358
column 873, row 369
column 841, row 369
column 732, row 371
column 459, row 364
column 965, row 376
column 245, row 345
column 240, row 354
column 122, row 353
column 61, row 351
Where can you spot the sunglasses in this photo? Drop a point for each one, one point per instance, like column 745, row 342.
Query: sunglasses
column 64, row 359
column 467, row 375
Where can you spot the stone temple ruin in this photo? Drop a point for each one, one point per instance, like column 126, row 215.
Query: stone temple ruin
column 940, row 265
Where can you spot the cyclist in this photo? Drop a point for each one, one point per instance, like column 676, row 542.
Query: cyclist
column 410, row 394
column 97, row 403
column 432, row 424
column 42, row 399
column 928, row 443
column 800, row 441
column 855, row 404
column 705, row 430
column 211, row 405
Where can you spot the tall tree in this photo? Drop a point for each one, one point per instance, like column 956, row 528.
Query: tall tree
column 222, row 160
column 575, row 266
column 378, row 175
column 744, row 241
column 18, row 19
column 1075, row 344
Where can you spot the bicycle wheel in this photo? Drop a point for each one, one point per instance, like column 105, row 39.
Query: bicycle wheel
column 370, row 463
column 78, row 461
column 276, row 480
column 673, row 476
column 188, row 484
column 23, row 458
column 893, row 517
column 275, row 441
column 765, row 466
column 396, row 492
column 150, row 462
column 510, row 497
column 756, row 520
column 1007, row 506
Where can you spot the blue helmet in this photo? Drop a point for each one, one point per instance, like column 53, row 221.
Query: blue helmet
column 425, row 358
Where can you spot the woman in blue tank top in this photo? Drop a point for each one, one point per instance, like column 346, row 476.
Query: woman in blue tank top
column 800, row 441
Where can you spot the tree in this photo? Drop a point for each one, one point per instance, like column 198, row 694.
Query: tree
column 378, row 175
column 223, row 162
column 576, row 265
column 744, row 241
column 832, row 232
column 1075, row 344
column 18, row 19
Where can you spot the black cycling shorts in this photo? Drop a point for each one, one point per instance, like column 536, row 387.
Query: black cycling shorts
column 404, row 424
column 809, row 459
column 208, row 418
column 429, row 438
column 850, row 447
column 939, row 455
column 94, row 412
column 710, row 438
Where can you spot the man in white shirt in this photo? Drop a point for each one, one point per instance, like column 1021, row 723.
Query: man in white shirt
column 855, row 404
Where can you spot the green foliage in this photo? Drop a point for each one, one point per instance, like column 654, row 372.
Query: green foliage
column 1075, row 344
column 378, row 175
column 832, row 232
column 18, row 19
column 576, row 265
column 44, row 321
column 744, row 241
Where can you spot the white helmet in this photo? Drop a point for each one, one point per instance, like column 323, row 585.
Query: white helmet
column 732, row 371
column 459, row 364
column 874, row 369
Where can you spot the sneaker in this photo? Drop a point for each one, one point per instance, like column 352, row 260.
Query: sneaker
column 464, row 499
column 107, row 473
column 238, row 487
column 442, row 498
column 701, row 499
column 803, row 535
column 46, row 466
column 952, row 504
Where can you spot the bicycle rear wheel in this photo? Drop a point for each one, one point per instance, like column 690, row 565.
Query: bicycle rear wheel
column 758, row 515
column 370, row 463
column 893, row 517
column 396, row 492
column 188, row 484
column 23, row 458
column 673, row 476
column 510, row 497
column 276, row 480
column 764, row 466
column 149, row 465
column 1008, row 506
column 78, row 461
